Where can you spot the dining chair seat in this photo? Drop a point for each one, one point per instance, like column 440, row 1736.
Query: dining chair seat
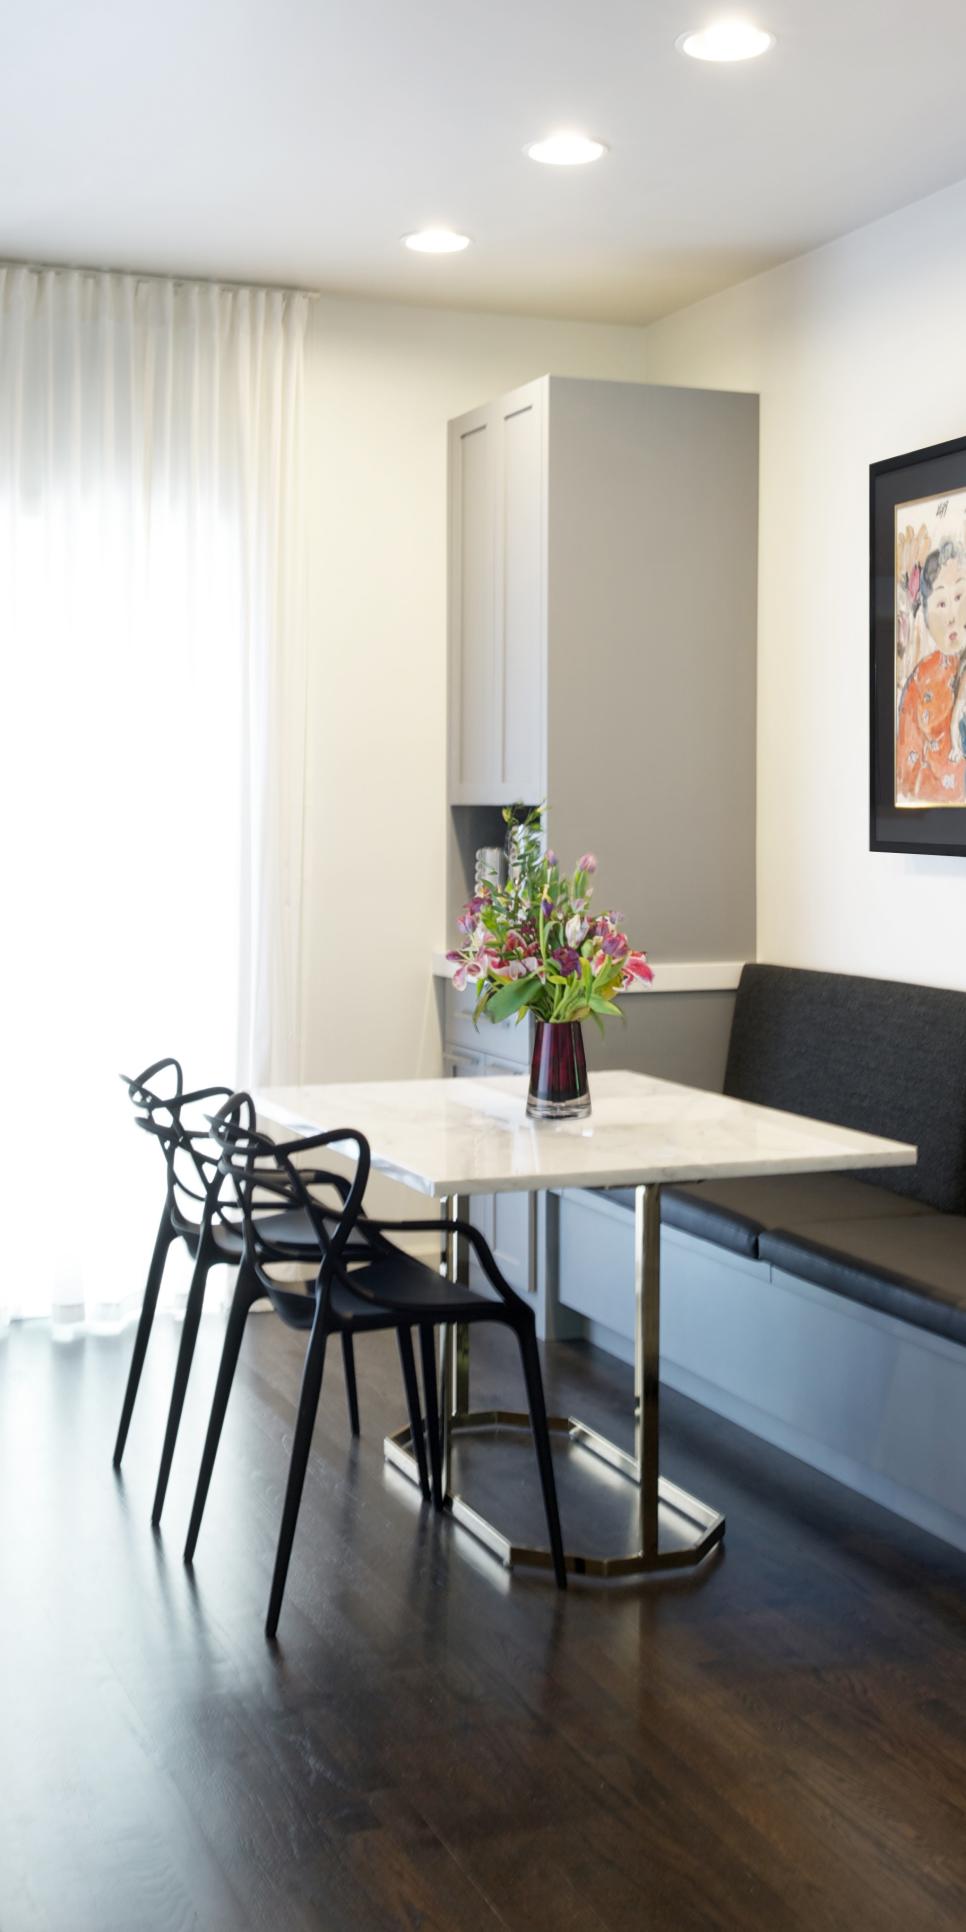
column 420, row 1291
column 346, row 1310
column 289, row 1229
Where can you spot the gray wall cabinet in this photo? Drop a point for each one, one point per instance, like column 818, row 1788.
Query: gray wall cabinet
column 603, row 553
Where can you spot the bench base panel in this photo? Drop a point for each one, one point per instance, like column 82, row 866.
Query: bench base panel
column 870, row 1401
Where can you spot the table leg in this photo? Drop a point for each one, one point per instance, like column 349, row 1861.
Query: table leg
column 454, row 1340
column 676, row 1531
column 647, row 1358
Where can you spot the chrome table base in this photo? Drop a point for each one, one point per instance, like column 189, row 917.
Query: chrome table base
column 676, row 1530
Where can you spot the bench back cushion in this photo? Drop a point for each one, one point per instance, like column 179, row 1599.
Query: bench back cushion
column 866, row 1053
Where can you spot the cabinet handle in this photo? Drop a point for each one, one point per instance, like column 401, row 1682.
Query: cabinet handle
column 462, row 1062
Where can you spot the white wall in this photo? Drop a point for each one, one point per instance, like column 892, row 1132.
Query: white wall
column 858, row 352
column 382, row 382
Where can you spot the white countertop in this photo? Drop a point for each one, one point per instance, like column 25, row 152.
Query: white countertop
column 445, row 1137
column 670, row 976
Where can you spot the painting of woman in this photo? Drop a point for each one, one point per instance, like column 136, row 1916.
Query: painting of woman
column 931, row 661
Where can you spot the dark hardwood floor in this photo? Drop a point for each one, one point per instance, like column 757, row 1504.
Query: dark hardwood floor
column 777, row 1744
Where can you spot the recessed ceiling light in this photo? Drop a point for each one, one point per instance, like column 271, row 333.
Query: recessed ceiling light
column 727, row 40
column 436, row 241
column 566, row 150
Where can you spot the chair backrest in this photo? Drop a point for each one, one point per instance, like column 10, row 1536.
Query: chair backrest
column 268, row 1182
column 155, row 1093
column 179, row 1121
column 873, row 1054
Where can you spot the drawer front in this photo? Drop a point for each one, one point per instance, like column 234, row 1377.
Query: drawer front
column 458, row 1028
column 596, row 1260
column 461, row 1063
column 506, row 1043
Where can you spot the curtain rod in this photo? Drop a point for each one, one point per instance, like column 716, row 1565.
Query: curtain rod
column 154, row 275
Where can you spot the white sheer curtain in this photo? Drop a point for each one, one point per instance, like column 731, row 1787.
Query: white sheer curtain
column 152, row 627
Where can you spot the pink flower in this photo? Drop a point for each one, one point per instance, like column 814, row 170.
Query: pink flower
column 636, row 967
column 587, row 864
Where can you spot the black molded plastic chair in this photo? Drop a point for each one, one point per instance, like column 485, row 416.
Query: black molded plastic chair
column 192, row 1213
column 362, row 1282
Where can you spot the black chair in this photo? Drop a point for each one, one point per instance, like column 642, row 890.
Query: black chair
column 192, row 1213
column 362, row 1282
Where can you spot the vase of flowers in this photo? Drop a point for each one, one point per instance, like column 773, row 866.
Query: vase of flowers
column 533, row 947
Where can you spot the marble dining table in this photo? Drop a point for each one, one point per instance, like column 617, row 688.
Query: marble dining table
column 451, row 1139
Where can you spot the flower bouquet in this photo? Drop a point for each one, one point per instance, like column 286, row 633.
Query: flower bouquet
column 534, row 947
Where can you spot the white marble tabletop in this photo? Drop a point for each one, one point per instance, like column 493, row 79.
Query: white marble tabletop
column 445, row 1137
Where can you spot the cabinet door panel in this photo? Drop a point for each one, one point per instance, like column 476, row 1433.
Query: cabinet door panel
column 512, row 1237
column 476, row 746
column 522, row 627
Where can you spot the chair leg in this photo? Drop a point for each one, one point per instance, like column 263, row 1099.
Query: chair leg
column 152, row 1289
column 408, row 1360
column 351, row 1392
column 301, row 1445
column 246, row 1292
column 427, row 1346
column 189, row 1336
column 541, row 1441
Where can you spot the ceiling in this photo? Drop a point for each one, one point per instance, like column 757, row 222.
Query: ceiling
column 297, row 140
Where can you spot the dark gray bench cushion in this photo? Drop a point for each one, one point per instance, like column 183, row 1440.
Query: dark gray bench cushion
column 867, row 1053
column 913, row 1268
column 734, row 1214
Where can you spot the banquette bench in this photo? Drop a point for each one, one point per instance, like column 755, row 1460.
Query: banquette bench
column 886, row 1059
column 828, row 1313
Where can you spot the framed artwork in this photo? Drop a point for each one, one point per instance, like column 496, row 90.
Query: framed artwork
column 917, row 545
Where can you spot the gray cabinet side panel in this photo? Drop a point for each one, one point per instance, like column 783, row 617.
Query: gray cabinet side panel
column 674, row 1036
column 652, row 615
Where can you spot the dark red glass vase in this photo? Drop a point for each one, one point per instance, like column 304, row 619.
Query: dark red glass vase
column 558, row 1072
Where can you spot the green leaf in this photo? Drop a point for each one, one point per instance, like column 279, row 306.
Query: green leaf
column 599, row 1005
column 510, row 998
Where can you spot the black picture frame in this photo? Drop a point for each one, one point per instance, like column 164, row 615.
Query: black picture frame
column 923, row 473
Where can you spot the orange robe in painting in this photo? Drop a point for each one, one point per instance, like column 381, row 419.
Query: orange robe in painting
column 925, row 771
